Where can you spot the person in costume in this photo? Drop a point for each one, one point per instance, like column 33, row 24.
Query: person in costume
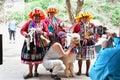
column 86, row 30
column 34, row 56
column 52, row 22
column 106, row 66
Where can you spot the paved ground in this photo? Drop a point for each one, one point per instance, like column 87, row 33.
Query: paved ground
column 13, row 69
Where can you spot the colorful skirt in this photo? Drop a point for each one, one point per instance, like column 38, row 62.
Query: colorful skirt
column 34, row 55
column 86, row 53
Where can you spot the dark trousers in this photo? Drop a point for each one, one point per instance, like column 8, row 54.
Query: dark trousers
column 11, row 34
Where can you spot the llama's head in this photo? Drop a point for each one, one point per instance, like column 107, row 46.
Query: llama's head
column 73, row 38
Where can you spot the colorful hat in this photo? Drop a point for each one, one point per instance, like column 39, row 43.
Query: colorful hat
column 37, row 11
column 81, row 15
column 52, row 9
column 62, row 34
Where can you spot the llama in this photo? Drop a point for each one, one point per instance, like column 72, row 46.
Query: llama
column 69, row 60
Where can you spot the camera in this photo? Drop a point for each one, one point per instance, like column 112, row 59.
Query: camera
column 100, row 30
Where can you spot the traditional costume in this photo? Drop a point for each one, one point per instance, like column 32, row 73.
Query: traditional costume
column 88, row 37
column 37, row 44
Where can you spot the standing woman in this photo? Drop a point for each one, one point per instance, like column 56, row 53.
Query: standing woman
column 34, row 56
column 86, row 30
column 52, row 22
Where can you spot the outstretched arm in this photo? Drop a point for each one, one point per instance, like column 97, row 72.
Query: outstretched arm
column 58, row 48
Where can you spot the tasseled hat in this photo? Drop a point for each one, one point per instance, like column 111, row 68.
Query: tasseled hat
column 51, row 9
column 81, row 15
column 37, row 11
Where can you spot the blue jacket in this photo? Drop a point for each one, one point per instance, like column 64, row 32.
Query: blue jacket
column 107, row 64
column 12, row 25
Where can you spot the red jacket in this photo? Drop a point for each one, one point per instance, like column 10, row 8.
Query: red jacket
column 26, row 25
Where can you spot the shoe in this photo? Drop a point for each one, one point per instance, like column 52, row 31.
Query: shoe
column 28, row 76
column 36, row 74
column 51, row 70
column 13, row 42
column 78, row 73
column 87, row 74
column 55, row 77
column 10, row 42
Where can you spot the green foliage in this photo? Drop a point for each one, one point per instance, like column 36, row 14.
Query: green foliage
column 97, row 7
column 106, row 7
column 29, row 1
column 88, row 4
column 98, row 18
column 115, row 17
column 44, row 4
column 18, row 16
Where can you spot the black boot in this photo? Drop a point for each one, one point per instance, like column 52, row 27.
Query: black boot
column 55, row 77
column 51, row 70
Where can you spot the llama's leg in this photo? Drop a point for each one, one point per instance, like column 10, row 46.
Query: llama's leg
column 72, row 69
column 67, row 71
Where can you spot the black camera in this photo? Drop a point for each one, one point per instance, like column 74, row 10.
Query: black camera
column 100, row 30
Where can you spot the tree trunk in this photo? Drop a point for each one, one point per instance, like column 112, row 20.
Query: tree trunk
column 79, row 6
column 112, row 1
column 71, row 17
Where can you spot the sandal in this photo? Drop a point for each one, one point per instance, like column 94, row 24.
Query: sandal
column 28, row 76
column 36, row 74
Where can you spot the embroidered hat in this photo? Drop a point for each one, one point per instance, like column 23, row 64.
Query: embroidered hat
column 51, row 9
column 37, row 11
column 81, row 15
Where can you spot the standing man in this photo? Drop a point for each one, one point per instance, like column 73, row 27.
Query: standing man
column 12, row 30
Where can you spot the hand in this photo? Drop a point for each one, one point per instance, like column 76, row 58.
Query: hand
column 27, row 36
column 72, row 45
column 50, row 33
column 39, row 30
column 104, row 44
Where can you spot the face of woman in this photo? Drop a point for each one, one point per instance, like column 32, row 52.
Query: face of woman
column 84, row 20
column 51, row 14
column 63, row 40
column 36, row 18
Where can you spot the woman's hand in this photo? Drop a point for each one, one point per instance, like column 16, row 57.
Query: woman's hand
column 26, row 35
column 39, row 30
column 72, row 45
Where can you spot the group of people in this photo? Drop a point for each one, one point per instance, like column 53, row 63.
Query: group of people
column 53, row 28
column 49, row 27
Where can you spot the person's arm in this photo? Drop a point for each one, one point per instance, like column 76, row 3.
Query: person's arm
column 24, row 29
column 45, row 29
column 58, row 47
column 76, row 28
column 9, row 26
